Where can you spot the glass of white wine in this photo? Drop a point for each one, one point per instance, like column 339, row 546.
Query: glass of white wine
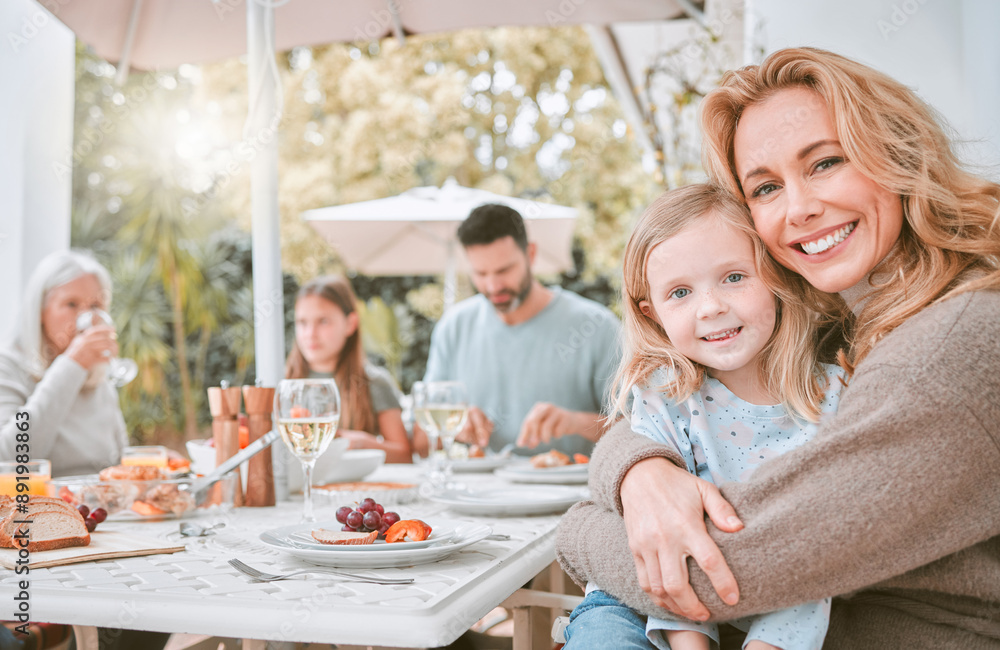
column 307, row 412
column 440, row 408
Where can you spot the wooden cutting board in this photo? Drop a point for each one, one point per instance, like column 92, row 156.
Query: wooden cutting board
column 103, row 545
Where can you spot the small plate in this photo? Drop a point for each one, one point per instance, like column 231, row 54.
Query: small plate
column 526, row 473
column 299, row 535
column 511, row 500
column 465, row 534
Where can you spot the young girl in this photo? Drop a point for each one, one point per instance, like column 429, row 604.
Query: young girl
column 720, row 362
column 328, row 344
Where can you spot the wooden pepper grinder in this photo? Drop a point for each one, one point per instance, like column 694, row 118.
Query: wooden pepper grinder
column 259, row 403
column 224, row 402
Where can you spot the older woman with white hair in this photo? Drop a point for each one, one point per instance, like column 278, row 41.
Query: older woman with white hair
column 57, row 375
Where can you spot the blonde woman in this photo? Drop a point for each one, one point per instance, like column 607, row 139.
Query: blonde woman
column 328, row 344
column 57, row 376
column 852, row 185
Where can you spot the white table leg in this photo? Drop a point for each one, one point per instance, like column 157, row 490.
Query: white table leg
column 86, row 637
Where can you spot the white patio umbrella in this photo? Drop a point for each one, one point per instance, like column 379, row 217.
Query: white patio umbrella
column 150, row 34
column 414, row 233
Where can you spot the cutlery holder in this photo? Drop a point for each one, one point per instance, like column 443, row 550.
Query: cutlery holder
column 224, row 404
column 260, row 473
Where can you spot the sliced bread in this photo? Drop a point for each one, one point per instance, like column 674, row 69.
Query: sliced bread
column 54, row 524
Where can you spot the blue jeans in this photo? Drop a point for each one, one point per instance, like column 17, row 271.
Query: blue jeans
column 601, row 622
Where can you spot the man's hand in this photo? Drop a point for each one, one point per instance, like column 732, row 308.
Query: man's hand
column 477, row 430
column 545, row 422
column 664, row 509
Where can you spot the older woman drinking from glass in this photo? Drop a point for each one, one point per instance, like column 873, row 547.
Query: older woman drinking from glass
column 57, row 375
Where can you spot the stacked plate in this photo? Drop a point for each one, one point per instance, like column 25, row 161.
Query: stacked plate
column 446, row 538
column 526, row 473
column 510, row 500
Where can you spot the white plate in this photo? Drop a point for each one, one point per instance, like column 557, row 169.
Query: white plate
column 487, row 464
column 511, row 500
column 465, row 534
column 300, row 535
column 525, row 473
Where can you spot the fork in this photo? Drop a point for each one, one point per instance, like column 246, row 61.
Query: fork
column 260, row 576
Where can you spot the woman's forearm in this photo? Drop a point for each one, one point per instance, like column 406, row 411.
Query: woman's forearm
column 47, row 406
column 614, row 455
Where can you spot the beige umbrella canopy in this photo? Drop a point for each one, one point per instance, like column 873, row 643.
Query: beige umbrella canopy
column 149, row 34
column 414, row 233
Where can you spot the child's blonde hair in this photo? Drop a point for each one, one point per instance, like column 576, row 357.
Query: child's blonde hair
column 789, row 362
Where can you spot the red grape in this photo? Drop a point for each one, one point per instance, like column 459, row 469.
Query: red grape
column 390, row 518
column 91, row 524
column 84, row 510
column 354, row 519
column 373, row 519
column 384, row 527
column 99, row 514
column 367, row 505
column 350, row 529
column 380, row 509
column 342, row 513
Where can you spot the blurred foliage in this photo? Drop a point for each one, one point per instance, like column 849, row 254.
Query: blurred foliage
column 161, row 187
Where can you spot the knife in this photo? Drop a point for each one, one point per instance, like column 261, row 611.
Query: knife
column 235, row 461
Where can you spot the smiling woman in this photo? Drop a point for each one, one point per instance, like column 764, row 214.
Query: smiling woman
column 853, row 186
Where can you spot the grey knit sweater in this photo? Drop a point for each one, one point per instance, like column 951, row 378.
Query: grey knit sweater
column 80, row 430
column 894, row 505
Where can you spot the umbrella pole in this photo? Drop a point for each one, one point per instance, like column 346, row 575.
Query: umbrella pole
column 261, row 134
column 450, row 279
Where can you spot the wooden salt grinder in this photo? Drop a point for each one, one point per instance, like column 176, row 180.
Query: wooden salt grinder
column 260, row 476
column 224, row 402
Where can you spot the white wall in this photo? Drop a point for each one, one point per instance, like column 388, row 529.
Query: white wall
column 36, row 131
column 946, row 50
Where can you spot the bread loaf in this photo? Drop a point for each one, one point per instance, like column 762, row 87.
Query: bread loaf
column 54, row 524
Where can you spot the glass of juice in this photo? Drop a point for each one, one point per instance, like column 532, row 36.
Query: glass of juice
column 155, row 455
column 35, row 475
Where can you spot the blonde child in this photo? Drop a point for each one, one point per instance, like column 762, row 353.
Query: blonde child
column 721, row 362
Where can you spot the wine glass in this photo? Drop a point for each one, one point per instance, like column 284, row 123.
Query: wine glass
column 441, row 408
column 307, row 412
column 120, row 371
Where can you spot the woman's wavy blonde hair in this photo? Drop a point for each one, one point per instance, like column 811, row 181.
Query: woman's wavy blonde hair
column 789, row 365
column 950, row 241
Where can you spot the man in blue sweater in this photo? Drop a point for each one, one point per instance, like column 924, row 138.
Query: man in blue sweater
column 537, row 361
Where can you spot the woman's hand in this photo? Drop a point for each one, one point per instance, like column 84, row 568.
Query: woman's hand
column 93, row 346
column 664, row 508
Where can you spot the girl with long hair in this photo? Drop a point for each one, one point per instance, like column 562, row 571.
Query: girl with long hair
column 328, row 344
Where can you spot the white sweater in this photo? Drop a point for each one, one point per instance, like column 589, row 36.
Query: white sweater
column 80, row 431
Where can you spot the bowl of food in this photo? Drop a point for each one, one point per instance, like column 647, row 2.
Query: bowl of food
column 144, row 492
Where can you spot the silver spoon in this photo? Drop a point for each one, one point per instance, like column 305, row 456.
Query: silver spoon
column 195, row 530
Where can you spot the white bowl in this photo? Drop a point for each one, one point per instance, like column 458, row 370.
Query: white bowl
column 354, row 465
column 202, row 456
column 326, row 464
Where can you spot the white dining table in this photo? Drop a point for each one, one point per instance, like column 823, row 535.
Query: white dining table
column 195, row 591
